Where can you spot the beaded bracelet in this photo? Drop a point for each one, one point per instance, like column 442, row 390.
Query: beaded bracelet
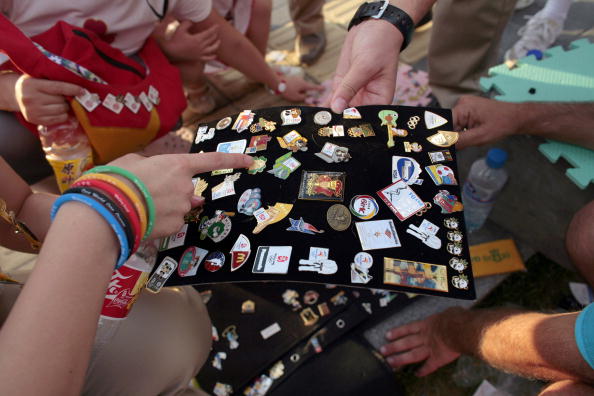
column 138, row 183
column 115, row 210
column 120, row 199
column 111, row 220
column 114, row 181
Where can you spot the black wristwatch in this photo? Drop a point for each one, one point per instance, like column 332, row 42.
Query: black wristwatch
column 384, row 10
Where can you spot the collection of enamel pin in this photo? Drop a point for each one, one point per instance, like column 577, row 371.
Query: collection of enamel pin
column 328, row 186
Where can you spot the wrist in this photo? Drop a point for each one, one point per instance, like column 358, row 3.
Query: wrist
column 415, row 8
column 384, row 11
column 279, row 89
column 8, row 81
column 448, row 324
column 78, row 219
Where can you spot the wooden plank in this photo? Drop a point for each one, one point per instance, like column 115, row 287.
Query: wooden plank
column 340, row 12
column 282, row 38
column 324, row 68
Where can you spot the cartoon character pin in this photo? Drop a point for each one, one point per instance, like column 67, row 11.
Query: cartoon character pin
column 389, row 118
column 293, row 141
column 291, row 116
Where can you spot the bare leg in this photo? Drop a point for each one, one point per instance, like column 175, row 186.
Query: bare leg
column 567, row 387
column 579, row 242
column 259, row 27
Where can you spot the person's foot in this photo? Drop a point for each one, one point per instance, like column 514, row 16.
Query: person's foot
column 310, row 47
column 539, row 33
column 200, row 99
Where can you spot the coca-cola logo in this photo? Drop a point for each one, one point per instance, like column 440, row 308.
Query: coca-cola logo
column 122, row 299
column 115, row 286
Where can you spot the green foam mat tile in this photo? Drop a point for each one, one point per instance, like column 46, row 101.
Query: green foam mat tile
column 580, row 158
column 560, row 76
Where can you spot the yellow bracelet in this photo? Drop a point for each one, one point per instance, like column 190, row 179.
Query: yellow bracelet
column 136, row 200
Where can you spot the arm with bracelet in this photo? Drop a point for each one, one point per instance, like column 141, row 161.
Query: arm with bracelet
column 366, row 70
column 49, row 333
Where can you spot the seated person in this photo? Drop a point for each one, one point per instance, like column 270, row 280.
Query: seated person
column 515, row 341
column 193, row 48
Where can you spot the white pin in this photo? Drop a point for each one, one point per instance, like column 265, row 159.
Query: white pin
column 112, row 103
column 131, row 103
column 88, row 100
column 433, row 120
column 148, row 105
column 153, row 95
column 161, row 274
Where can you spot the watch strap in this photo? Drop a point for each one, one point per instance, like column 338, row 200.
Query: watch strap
column 384, row 10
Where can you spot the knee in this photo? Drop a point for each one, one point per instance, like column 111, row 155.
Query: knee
column 579, row 239
column 567, row 387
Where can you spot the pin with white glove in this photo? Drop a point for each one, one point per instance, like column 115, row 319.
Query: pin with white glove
column 426, row 233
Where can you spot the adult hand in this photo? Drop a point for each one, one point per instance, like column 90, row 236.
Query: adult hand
column 168, row 178
column 185, row 44
column 416, row 342
column 43, row 102
column 366, row 70
column 485, row 120
column 298, row 88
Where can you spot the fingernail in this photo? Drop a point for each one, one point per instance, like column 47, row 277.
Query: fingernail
column 383, row 350
column 338, row 105
column 196, row 200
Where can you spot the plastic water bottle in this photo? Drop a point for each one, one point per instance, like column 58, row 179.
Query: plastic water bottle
column 124, row 287
column 486, row 178
column 67, row 149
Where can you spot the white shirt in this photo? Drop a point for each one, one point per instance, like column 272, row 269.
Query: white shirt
column 130, row 21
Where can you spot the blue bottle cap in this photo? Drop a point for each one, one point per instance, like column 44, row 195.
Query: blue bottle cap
column 496, row 158
column 537, row 54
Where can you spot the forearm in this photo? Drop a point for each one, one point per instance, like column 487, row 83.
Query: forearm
column 30, row 208
column 49, row 332
column 239, row 53
column 7, row 97
column 529, row 344
column 569, row 122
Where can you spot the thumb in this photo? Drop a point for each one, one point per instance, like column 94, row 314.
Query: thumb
column 347, row 88
column 61, row 88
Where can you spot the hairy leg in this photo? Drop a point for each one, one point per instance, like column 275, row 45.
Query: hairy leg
column 567, row 387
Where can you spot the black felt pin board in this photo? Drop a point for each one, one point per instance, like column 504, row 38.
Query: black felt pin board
column 368, row 171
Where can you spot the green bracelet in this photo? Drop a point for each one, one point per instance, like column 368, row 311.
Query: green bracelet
column 139, row 184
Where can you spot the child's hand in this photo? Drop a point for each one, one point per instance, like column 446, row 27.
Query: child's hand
column 43, row 102
column 297, row 88
column 185, row 45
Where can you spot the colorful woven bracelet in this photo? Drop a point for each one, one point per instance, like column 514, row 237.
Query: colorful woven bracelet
column 113, row 208
column 138, row 183
column 111, row 220
column 121, row 200
column 136, row 200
